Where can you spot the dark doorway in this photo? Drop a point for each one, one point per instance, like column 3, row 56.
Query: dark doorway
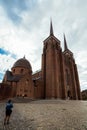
column 68, row 94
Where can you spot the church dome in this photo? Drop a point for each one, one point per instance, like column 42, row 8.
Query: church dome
column 22, row 63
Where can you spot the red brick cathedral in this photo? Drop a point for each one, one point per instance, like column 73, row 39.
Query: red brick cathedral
column 58, row 77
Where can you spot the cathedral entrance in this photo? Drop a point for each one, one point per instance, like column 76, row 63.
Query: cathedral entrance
column 25, row 95
column 68, row 94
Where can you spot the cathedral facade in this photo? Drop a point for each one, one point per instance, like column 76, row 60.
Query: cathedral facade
column 58, row 77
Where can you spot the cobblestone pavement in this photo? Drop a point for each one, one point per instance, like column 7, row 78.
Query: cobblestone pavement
column 46, row 115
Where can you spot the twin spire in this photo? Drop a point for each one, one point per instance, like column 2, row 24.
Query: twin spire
column 51, row 34
column 65, row 43
column 51, row 28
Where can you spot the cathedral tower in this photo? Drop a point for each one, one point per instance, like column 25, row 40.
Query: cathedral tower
column 52, row 67
column 71, row 75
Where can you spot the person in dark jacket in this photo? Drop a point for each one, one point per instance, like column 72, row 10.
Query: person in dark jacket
column 8, row 112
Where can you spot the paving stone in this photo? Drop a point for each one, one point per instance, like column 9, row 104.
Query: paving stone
column 46, row 115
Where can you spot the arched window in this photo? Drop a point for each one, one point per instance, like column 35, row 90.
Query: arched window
column 13, row 70
column 67, row 77
column 21, row 71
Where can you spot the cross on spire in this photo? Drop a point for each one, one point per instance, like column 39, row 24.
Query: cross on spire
column 24, row 57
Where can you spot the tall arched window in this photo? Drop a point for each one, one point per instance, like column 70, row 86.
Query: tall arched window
column 67, row 77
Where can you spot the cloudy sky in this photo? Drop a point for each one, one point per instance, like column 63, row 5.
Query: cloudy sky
column 25, row 24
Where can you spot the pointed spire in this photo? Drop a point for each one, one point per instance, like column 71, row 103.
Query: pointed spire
column 51, row 27
column 65, row 43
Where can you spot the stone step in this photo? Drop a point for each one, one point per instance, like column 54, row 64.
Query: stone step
column 22, row 100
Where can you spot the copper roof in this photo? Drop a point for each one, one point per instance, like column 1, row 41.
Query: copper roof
column 22, row 63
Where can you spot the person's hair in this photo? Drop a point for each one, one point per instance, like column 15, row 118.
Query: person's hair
column 9, row 101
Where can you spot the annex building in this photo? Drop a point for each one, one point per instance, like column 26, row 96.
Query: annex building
column 58, row 77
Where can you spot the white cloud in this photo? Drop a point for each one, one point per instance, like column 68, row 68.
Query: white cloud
column 5, row 63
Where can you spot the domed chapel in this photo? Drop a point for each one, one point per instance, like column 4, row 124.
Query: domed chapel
column 58, row 77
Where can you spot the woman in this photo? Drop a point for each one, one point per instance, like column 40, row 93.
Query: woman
column 8, row 112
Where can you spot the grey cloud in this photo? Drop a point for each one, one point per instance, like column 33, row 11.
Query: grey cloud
column 13, row 8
